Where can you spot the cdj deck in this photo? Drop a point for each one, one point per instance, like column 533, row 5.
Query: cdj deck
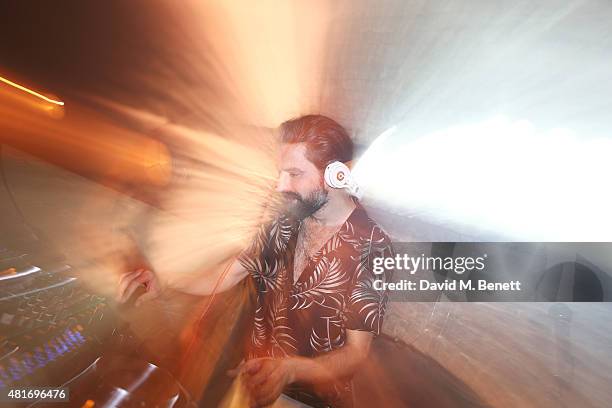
column 54, row 332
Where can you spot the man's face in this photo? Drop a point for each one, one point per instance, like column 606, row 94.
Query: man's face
column 300, row 182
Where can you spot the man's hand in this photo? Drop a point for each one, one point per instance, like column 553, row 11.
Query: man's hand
column 265, row 378
column 129, row 282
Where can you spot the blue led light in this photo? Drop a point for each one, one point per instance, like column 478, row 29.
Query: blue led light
column 41, row 357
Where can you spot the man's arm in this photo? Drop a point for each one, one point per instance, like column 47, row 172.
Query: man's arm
column 203, row 284
column 334, row 365
column 266, row 378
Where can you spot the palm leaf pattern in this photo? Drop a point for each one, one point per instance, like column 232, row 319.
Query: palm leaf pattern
column 280, row 233
column 367, row 249
column 258, row 335
column 334, row 294
column 328, row 341
column 369, row 304
column 347, row 233
column 281, row 341
column 325, row 283
column 365, row 301
column 265, row 275
column 331, row 245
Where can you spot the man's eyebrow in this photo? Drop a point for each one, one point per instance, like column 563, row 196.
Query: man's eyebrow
column 293, row 169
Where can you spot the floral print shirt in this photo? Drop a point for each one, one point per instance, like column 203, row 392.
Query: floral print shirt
column 333, row 294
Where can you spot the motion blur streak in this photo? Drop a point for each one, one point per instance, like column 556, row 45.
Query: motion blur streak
column 224, row 172
column 31, row 92
column 84, row 142
column 270, row 54
column 203, row 83
column 12, row 96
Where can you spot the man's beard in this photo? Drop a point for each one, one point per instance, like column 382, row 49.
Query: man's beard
column 301, row 208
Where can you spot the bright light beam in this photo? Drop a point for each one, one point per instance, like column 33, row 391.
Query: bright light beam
column 500, row 175
column 31, row 92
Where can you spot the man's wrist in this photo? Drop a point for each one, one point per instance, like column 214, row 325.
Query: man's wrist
column 292, row 369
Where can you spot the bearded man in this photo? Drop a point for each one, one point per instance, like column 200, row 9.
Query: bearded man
column 316, row 308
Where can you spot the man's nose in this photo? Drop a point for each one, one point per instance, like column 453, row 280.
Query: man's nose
column 283, row 183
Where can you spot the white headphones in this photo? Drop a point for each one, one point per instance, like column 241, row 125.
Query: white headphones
column 338, row 175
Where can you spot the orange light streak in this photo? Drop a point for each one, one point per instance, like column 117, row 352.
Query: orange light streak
column 31, row 92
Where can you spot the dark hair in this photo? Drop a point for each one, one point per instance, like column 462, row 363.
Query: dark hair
column 326, row 141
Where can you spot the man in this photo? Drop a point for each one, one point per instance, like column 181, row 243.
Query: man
column 316, row 309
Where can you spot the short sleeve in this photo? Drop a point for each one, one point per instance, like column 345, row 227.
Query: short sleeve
column 366, row 305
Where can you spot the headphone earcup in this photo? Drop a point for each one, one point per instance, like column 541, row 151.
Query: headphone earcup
column 337, row 175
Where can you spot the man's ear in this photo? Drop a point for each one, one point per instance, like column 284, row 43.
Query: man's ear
column 349, row 164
